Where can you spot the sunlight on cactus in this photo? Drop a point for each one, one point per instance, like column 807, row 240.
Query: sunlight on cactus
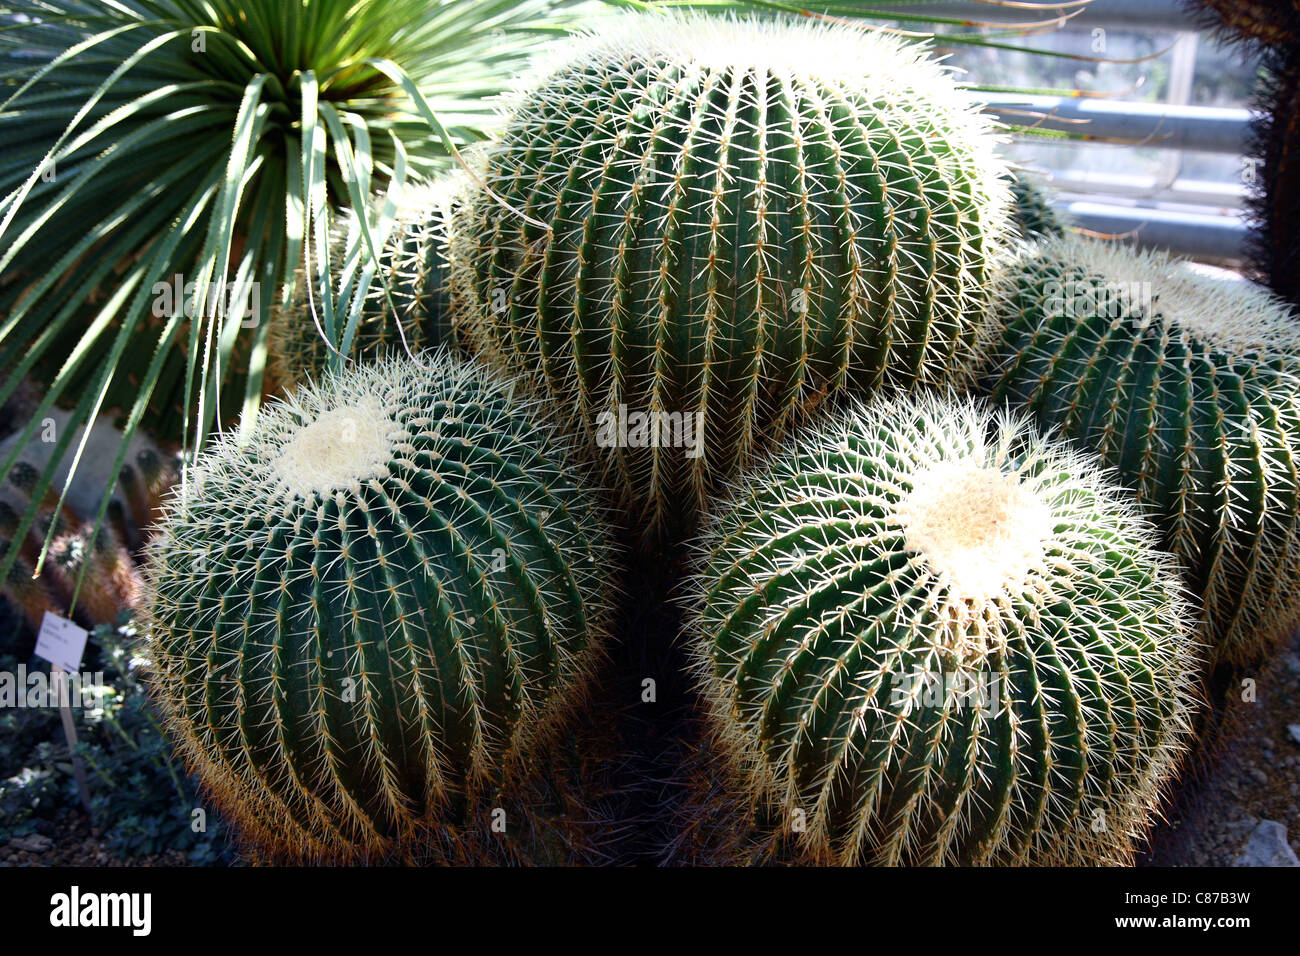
column 933, row 636
column 730, row 219
column 405, row 308
column 368, row 615
column 1189, row 387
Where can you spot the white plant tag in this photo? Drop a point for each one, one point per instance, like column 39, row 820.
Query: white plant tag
column 61, row 643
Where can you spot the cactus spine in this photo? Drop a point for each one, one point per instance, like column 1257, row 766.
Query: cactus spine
column 944, row 639
column 727, row 219
column 1033, row 212
column 369, row 613
column 1190, row 388
column 412, row 315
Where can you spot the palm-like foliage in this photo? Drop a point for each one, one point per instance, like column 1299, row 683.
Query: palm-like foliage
column 211, row 140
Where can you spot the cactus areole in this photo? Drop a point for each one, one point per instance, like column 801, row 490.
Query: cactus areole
column 931, row 636
column 367, row 611
column 729, row 219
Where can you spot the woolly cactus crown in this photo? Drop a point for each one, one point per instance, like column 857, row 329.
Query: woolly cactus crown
column 1190, row 388
column 902, row 72
column 928, row 537
column 1236, row 318
column 730, row 218
column 369, row 610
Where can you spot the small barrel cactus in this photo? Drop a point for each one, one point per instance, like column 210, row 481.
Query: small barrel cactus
column 1190, row 387
column 1033, row 211
column 87, row 571
column 413, row 314
column 364, row 616
column 932, row 636
column 699, row 227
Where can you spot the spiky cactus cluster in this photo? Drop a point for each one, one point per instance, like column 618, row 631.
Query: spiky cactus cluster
column 1190, row 388
column 1033, row 211
column 730, row 219
column 933, row 636
column 368, row 614
column 88, row 573
column 411, row 314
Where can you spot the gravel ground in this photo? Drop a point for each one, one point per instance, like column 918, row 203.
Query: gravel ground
column 1252, row 773
column 76, row 843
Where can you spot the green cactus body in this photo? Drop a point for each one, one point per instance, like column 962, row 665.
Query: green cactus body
column 368, row 613
column 1190, row 388
column 931, row 636
column 729, row 219
column 1033, row 212
column 412, row 315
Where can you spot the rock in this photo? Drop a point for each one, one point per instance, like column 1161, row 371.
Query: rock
column 92, row 472
column 1267, row 846
column 32, row 843
column 1293, row 731
column 1259, row 776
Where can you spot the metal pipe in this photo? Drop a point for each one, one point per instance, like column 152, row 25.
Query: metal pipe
column 1141, row 14
column 1189, row 234
column 1210, row 128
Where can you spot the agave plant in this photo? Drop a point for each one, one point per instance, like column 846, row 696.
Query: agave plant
column 169, row 164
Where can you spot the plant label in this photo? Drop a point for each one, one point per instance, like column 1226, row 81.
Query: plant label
column 61, row 643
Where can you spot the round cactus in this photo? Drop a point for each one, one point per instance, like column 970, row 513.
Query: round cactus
column 367, row 614
column 699, row 227
column 931, row 636
column 1033, row 212
column 411, row 315
column 1189, row 387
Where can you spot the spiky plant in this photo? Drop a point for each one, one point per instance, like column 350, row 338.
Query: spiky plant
column 1190, row 388
column 1267, row 31
column 1273, row 243
column 699, row 227
column 1251, row 23
column 167, row 162
column 932, row 636
column 1033, row 211
column 26, row 593
column 409, row 313
column 86, row 576
column 365, row 618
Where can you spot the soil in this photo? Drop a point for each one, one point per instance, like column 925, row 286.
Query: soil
column 1251, row 774
column 72, row 841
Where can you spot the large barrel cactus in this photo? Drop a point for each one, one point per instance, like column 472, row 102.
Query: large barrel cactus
column 405, row 307
column 366, row 616
column 932, row 636
column 1188, row 386
column 699, row 227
